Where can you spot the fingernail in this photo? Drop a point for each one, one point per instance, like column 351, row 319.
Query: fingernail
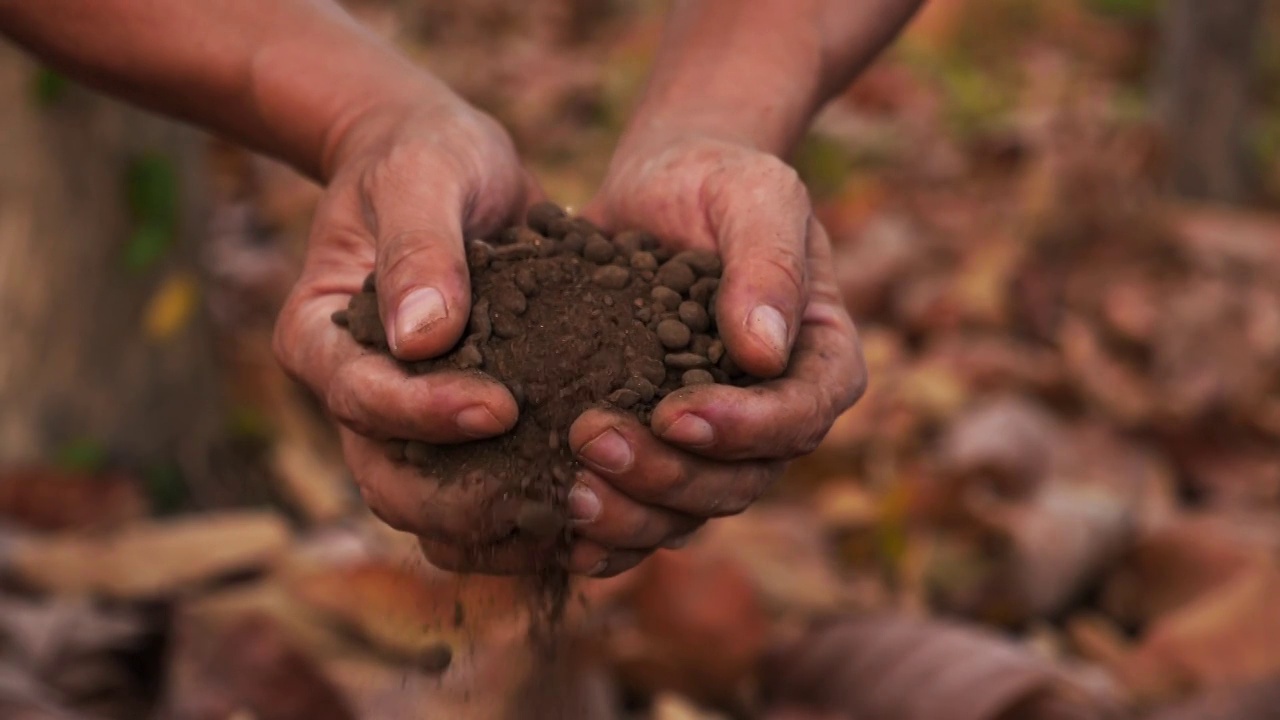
column 767, row 324
column 608, row 451
column 690, row 430
column 477, row 421
column 419, row 310
column 584, row 506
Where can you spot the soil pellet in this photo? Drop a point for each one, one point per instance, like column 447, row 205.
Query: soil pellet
column 611, row 277
column 644, row 315
column 339, row 318
column 666, row 297
column 598, row 250
column 370, row 284
column 560, row 228
column 573, row 243
column 702, row 290
column 624, row 398
column 715, row 351
column 543, row 214
column 695, row 316
column 673, row 334
column 515, row 252
column 703, row 262
column 395, row 450
column 650, row 369
column 509, row 298
column 687, row 361
column 481, row 324
column 526, row 281
column 479, row 253
column 700, row 344
column 469, row 356
column 696, row 377
column 506, row 326
column 676, row 275
column 642, row 388
column 644, row 260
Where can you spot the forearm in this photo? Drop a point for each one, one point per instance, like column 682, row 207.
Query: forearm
column 287, row 77
column 757, row 71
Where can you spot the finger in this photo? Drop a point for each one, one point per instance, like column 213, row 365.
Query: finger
column 782, row 418
column 642, row 467
column 595, row 560
column 761, row 226
column 424, row 287
column 468, row 511
column 610, row 518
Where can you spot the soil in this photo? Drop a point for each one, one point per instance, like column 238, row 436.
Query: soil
column 568, row 318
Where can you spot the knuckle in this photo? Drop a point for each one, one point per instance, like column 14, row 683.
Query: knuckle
column 788, row 263
column 344, row 404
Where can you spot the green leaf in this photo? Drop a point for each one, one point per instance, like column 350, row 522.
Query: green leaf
column 146, row 246
column 83, row 455
column 48, row 87
column 167, row 488
column 152, row 190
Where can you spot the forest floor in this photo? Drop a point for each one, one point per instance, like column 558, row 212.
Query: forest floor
column 1060, row 497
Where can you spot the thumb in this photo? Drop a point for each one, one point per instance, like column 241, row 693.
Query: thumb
column 762, row 233
column 424, row 286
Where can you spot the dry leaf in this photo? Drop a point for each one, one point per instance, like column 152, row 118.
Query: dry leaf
column 171, row 307
column 1259, row 701
column 150, row 560
column 249, row 665
column 42, row 498
column 691, row 624
column 893, row 668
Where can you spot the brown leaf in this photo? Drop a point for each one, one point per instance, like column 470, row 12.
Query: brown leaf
column 411, row 616
column 894, row 668
column 1006, row 442
column 693, row 624
column 43, row 498
column 1259, row 701
column 249, row 665
column 1226, row 637
column 150, row 560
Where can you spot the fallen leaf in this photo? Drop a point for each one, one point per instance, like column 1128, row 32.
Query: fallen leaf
column 171, row 307
column 150, row 560
column 885, row 667
column 47, row 499
column 250, row 665
column 1258, row 701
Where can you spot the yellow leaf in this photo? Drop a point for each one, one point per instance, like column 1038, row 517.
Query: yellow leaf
column 171, row 306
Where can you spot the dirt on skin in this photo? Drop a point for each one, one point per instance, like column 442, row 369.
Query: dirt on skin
column 568, row 319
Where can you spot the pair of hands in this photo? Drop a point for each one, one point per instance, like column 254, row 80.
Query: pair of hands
column 410, row 183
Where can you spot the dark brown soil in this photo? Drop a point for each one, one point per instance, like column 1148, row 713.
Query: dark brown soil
column 568, row 319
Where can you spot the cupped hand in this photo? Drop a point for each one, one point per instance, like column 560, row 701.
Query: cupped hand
column 712, row 450
column 408, row 183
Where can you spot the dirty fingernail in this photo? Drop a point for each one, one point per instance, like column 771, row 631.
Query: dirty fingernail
column 768, row 325
column 419, row 310
column 477, row 421
column 690, row 430
column 608, row 451
column 584, row 506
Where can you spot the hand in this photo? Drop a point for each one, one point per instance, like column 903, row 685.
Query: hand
column 712, row 450
column 408, row 184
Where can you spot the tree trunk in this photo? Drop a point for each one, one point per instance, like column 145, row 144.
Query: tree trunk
column 78, row 363
column 1206, row 75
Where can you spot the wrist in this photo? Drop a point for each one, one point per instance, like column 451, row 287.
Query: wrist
column 747, row 73
column 316, row 106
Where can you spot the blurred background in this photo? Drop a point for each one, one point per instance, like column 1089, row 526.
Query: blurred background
column 1056, row 225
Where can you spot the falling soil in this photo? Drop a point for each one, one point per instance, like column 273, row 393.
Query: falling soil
column 568, row 319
